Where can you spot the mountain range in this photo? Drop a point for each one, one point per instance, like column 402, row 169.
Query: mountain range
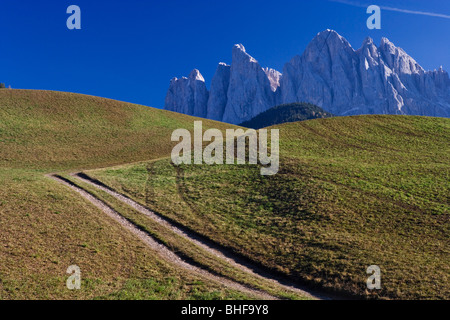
column 329, row 73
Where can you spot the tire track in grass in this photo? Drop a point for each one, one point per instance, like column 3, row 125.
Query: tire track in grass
column 165, row 252
column 207, row 245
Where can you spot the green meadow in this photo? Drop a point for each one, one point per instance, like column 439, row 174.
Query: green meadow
column 351, row 192
column 46, row 227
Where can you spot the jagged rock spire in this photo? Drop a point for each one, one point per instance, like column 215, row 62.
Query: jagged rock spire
column 330, row 74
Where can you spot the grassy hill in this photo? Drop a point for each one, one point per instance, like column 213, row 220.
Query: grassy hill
column 45, row 227
column 352, row 192
column 285, row 113
column 45, row 129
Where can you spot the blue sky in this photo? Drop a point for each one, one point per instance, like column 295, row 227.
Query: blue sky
column 130, row 49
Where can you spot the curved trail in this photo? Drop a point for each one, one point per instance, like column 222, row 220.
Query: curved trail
column 207, row 245
column 161, row 249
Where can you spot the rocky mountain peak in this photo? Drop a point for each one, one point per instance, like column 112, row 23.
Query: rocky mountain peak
column 251, row 90
column 370, row 52
column 397, row 59
column 385, row 42
column 240, row 55
column 188, row 95
column 367, row 41
column 330, row 38
column 369, row 45
column 239, row 47
column 329, row 74
column 196, row 76
column 325, row 45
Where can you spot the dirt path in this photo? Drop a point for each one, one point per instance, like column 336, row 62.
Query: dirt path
column 161, row 249
column 205, row 244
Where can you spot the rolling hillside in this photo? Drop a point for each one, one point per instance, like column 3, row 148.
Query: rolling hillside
column 46, row 227
column 352, row 192
column 56, row 130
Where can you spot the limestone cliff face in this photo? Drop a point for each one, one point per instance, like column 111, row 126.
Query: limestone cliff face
column 238, row 92
column 370, row 80
column 218, row 96
column 324, row 75
column 329, row 74
column 250, row 91
column 188, row 95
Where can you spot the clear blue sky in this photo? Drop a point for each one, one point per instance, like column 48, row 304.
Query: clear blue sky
column 130, row 49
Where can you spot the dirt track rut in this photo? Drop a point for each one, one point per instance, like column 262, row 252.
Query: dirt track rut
column 208, row 246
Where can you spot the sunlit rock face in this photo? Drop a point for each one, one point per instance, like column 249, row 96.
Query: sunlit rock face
column 370, row 80
column 188, row 95
column 250, row 91
column 330, row 74
column 218, row 96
